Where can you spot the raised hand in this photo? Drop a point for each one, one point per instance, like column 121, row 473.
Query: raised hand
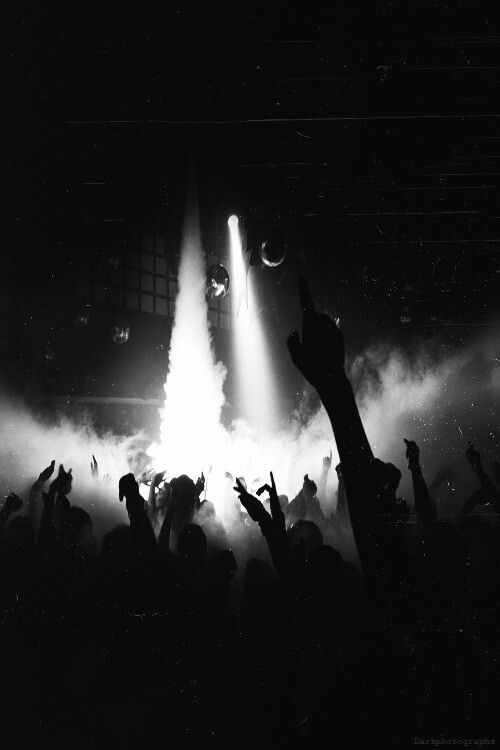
column 158, row 478
column 274, row 503
column 63, row 482
column 129, row 489
column 200, row 485
column 327, row 462
column 12, row 504
column 309, row 487
column 321, row 352
column 94, row 469
column 46, row 473
column 252, row 505
column 412, row 454
column 147, row 477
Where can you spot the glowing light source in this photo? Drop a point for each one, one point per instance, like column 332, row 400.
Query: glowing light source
column 273, row 249
column 191, row 438
column 121, row 332
column 217, row 281
column 256, row 385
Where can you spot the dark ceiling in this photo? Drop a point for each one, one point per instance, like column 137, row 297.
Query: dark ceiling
column 371, row 130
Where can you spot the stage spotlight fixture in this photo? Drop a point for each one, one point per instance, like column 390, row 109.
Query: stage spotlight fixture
column 273, row 249
column 121, row 332
column 217, row 281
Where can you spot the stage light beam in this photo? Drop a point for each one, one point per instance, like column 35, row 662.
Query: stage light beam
column 255, row 379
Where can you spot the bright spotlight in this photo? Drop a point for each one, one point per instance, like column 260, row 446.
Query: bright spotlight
column 255, row 381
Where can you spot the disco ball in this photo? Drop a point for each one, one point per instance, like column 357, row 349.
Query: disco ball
column 82, row 318
column 273, row 249
column 217, row 282
column 121, row 332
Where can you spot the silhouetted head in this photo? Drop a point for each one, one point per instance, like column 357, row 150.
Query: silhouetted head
column 386, row 477
column 183, row 493
column 306, row 535
column 65, row 480
column 127, row 485
column 183, row 487
column 192, row 544
column 309, row 487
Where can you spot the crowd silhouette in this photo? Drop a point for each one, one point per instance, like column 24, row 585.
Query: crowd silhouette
column 137, row 641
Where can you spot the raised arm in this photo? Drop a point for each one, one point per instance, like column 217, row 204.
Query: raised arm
column 46, row 531
column 327, row 463
column 142, row 533
column 425, row 505
column 342, row 511
column 320, row 358
column 271, row 524
column 166, row 527
column 36, row 489
column 156, row 480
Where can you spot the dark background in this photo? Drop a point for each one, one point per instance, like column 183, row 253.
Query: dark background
column 367, row 132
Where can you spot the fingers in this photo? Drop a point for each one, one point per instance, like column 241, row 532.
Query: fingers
column 273, row 484
column 271, row 489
